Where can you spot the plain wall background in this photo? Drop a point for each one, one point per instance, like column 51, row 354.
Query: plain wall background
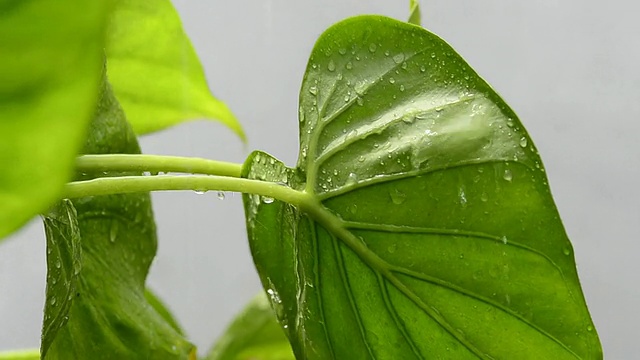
column 568, row 68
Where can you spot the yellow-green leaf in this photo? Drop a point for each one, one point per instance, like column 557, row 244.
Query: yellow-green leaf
column 49, row 75
column 154, row 70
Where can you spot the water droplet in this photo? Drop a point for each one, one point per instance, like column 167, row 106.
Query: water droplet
column 397, row 196
column 353, row 208
column 199, row 192
column 484, row 197
column 349, row 65
column 352, row 178
column 313, row 90
column 404, row 65
column 566, row 251
column 398, row 58
column 346, row 98
column 523, row 142
column 433, row 55
column 113, row 231
column 360, row 101
column 53, row 301
column 331, row 66
column 267, row 200
column 401, row 87
column 504, row 240
column 589, row 328
column 315, row 66
column 58, row 265
column 360, row 87
column 372, row 47
column 392, row 80
column 342, row 51
column 423, row 68
column 221, row 195
column 392, row 248
column 507, row 175
column 408, row 118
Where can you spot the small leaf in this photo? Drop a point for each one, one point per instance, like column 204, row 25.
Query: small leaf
column 49, row 76
column 154, row 70
column 414, row 12
column 109, row 317
column 254, row 334
column 427, row 228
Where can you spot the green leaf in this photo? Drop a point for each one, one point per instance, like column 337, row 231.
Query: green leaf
column 414, row 12
column 254, row 335
column 49, row 76
column 428, row 229
column 109, row 317
column 155, row 72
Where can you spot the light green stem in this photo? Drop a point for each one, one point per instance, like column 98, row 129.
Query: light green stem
column 156, row 164
column 199, row 183
column 30, row 354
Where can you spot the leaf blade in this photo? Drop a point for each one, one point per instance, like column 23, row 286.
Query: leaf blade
column 155, row 72
column 434, row 227
column 48, row 89
column 109, row 316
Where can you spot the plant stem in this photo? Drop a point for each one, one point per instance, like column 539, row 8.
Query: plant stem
column 199, row 183
column 156, row 163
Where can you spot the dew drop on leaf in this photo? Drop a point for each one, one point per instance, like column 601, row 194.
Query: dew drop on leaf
column 349, row 65
column 566, row 251
column 113, row 231
column 372, row 47
column 313, row 90
column 267, row 200
column 392, row 80
column 352, row 178
column 398, row 58
column 504, row 240
column 507, row 175
column 199, row 192
column 397, row 196
column 221, row 195
column 331, row 66
column 523, row 142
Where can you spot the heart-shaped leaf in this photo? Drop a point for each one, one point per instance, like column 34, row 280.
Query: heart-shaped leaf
column 107, row 315
column 49, row 76
column 427, row 228
column 155, row 72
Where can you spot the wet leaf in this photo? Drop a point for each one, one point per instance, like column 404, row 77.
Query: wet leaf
column 428, row 229
column 49, row 76
column 254, row 335
column 109, row 317
column 155, row 72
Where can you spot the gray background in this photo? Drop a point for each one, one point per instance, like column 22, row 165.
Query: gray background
column 568, row 68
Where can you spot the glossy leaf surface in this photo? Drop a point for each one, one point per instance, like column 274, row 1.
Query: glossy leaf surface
column 109, row 317
column 155, row 72
column 254, row 334
column 49, row 76
column 428, row 229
